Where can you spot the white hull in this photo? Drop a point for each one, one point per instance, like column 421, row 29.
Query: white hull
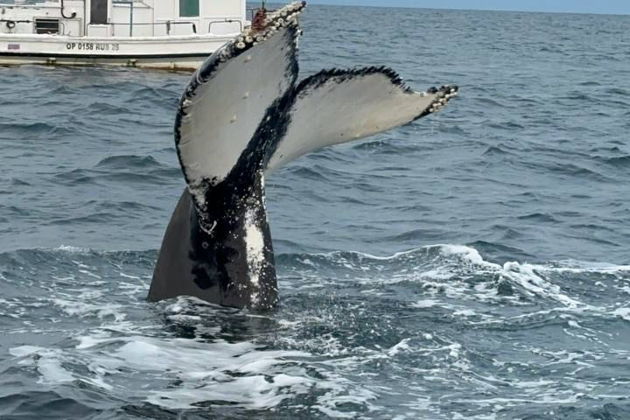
column 173, row 53
column 160, row 63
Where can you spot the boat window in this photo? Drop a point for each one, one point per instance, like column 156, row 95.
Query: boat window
column 188, row 8
column 46, row 26
column 98, row 12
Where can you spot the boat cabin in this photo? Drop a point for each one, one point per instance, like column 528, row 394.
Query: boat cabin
column 124, row 18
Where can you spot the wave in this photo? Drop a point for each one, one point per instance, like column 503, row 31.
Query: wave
column 403, row 266
column 539, row 218
column 616, row 161
column 341, row 313
column 452, row 270
column 123, row 168
column 186, row 372
column 128, row 161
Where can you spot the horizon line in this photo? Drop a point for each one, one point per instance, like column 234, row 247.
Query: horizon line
column 326, row 3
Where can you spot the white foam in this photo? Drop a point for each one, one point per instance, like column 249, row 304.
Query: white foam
column 464, row 313
column 464, row 252
column 400, row 347
column 47, row 361
column 622, row 313
column 255, row 248
column 23, row 351
column 82, row 308
column 49, row 365
column 526, row 276
column 73, row 249
column 450, row 268
column 241, row 373
column 579, row 267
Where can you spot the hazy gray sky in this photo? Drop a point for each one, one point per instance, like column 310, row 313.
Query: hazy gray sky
column 579, row 6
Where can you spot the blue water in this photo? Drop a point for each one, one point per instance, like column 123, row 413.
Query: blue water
column 474, row 264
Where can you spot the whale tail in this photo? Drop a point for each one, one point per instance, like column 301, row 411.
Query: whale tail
column 242, row 116
column 229, row 263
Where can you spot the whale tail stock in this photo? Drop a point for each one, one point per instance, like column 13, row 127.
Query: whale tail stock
column 242, row 116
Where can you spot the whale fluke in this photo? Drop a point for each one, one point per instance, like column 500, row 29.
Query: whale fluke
column 243, row 115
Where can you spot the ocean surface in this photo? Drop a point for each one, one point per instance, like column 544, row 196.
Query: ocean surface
column 472, row 265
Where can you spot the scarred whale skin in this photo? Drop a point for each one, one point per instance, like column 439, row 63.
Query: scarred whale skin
column 243, row 115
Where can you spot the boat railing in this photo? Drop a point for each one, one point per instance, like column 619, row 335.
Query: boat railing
column 21, row 6
column 11, row 22
column 169, row 24
column 117, row 26
column 215, row 22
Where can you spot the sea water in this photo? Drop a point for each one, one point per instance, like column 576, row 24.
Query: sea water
column 473, row 264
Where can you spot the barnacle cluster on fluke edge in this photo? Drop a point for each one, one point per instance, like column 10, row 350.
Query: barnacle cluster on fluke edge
column 273, row 21
column 443, row 95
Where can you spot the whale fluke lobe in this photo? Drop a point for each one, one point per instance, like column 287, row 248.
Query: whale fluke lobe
column 243, row 115
column 338, row 106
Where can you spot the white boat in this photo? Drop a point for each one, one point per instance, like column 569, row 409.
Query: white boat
column 168, row 34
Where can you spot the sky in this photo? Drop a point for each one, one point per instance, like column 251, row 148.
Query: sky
column 575, row 6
